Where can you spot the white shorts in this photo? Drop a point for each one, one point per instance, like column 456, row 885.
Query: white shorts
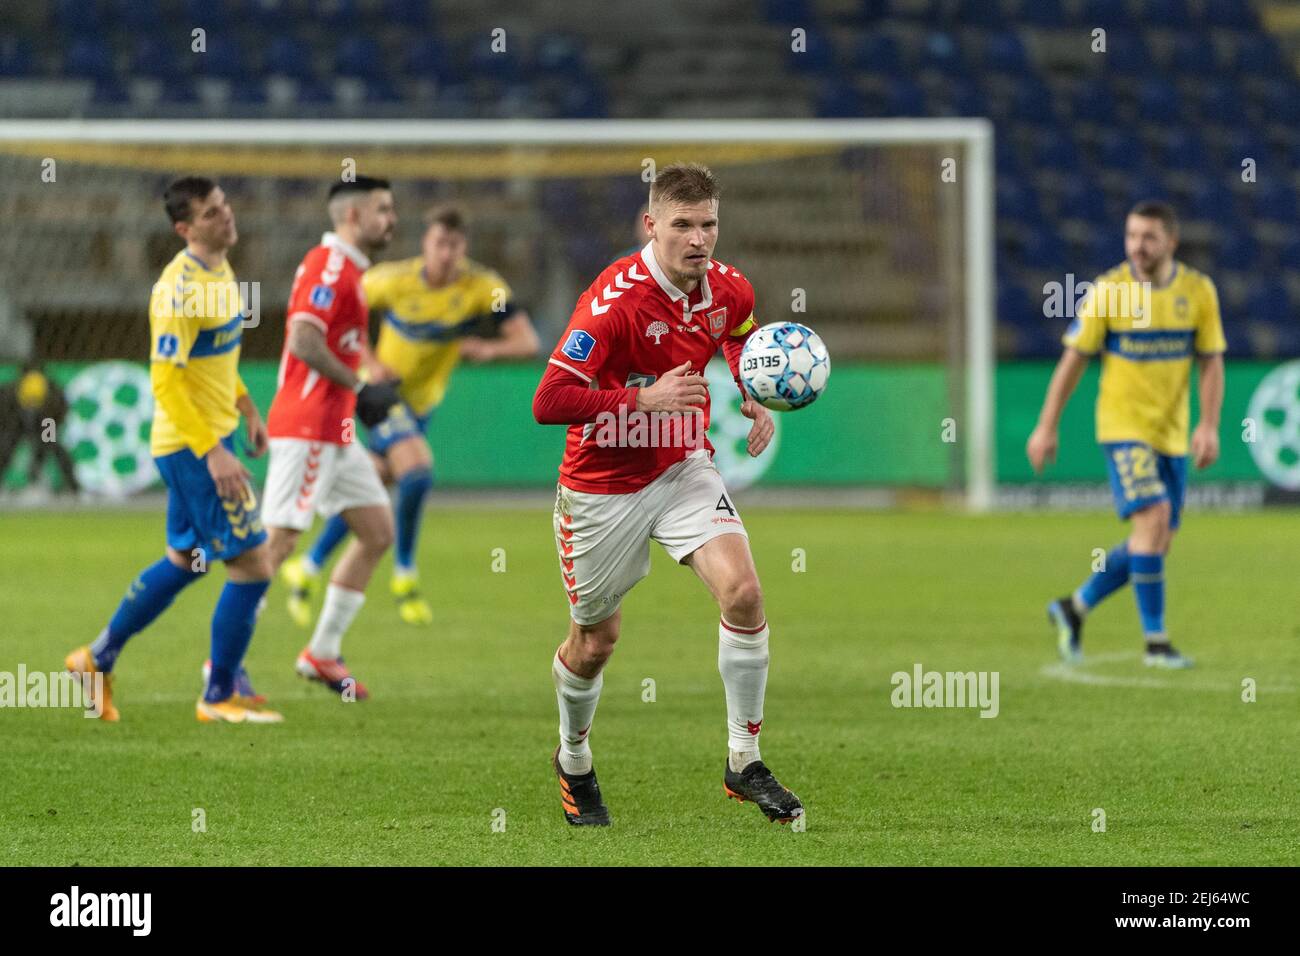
column 604, row 540
column 306, row 477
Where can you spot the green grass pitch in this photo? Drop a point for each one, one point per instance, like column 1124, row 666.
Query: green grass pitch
column 462, row 720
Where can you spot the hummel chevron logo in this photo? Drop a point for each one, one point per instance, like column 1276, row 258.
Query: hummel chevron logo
column 608, row 293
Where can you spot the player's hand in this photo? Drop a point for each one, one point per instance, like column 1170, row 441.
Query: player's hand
column 1205, row 446
column 228, row 473
column 760, row 435
column 258, row 440
column 377, row 372
column 677, row 390
column 374, row 402
column 1041, row 448
column 477, row 350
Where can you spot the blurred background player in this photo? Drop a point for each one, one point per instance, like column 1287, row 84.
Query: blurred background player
column 637, row 342
column 195, row 326
column 438, row 307
column 1149, row 333
column 316, row 463
column 26, row 405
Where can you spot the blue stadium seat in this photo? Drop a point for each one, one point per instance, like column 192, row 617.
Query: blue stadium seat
column 979, row 13
column 1003, row 52
column 1275, row 201
column 1042, row 13
column 1126, row 52
column 89, row 57
column 1239, row 251
column 270, row 14
column 16, row 57
column 1104, row 251
column 1032, row 102
column 178, row 91
column 557, row 54
column 223, row 58
column 965, row 99
column 878, row 53
column 817, row 56
column 77, row 15
column 109, row 91
column 288, row 56
column 426, row 58
column 1193, row 54
column 1214, row 202
column 788, row 12
column 358, row 55
column 1289, row 255
column 335, row 14
column 839, row 99
column 1257, row 55
column 1182, row 150
column 408, row 13
column 247, row 92
column 1218, row 97
column 1105, row 13
column 486, row 64
column 1166, row 14
column 1093, row 103
column 1158, row 102
column 583, row 101
column 1120, row 151
column 904, row 98
column 1269, row 301
column 1283, row 102
column 1229, row 13
column 157, row 60
column 1043, row 249
column 1143, row 184
column 212, row 15
column 1080, row 199
column 137, row 14
column 1054, row 148
column 939, row 52
column 1016, row 201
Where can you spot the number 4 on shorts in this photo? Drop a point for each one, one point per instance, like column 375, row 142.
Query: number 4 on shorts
column 725, row 505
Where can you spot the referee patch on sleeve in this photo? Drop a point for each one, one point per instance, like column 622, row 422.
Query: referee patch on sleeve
column 578, row 345
column 322, row 296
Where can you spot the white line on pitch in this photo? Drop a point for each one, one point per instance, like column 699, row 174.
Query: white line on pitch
column 1075, row 674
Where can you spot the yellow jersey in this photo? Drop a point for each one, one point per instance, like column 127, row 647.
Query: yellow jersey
column 422, row 326
column 1148, row 334
column 195, row 325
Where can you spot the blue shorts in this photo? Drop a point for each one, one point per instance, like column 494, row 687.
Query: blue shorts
column 1140, row 476
column 400, row 425
column 197, row 517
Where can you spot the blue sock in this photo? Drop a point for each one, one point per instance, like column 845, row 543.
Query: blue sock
column 232, row 629
column 1149, row 585
column 1106, row 582
column 411, row 492
column 148, row 596
column 335, row 530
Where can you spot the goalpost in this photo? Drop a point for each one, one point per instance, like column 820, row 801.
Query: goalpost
column 878, row 233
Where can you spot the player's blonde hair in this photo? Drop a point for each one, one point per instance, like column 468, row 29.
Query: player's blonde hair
column 684, row 183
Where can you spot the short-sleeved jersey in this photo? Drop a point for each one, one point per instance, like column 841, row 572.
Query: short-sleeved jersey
column 630, row 327
column 1148, row 340
column 327, row 293
column 195, row 324
column 422, row 326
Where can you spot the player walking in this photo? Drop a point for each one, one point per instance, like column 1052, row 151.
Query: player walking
column 195, row 325
column 438, row 307
column 1149, row 315
column 637, row 344
column 316, row 464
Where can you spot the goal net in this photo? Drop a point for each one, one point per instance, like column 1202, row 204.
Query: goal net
column 877, row 234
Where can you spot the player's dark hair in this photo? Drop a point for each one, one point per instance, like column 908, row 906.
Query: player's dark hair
column 1157, row 209
column 361, row 184
column 684, row 183
column 450, row 216
column 177, row 196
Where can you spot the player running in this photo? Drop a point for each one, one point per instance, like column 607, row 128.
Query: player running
column 1149, row 315
column 195, row 324
column 637, row 344
column 438, row 307
column 316, row 464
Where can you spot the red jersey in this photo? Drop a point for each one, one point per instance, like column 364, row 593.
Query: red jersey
column 630, row 327
column 327, row 293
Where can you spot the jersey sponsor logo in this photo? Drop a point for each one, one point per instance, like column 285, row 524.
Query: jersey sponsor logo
column 322, row 296
column 657, row 330
column 578, row 345
column 717, row 321
column 350, row 341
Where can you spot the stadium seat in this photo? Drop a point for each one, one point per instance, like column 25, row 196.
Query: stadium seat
column 1105, row 13
column 1238, row 251
column 1275, row 201
column 1256, row 54
column 413, row 14
column 288, row 56
column 1032, row 103
column 1104, row 251
column 1158, row 102
column 1079, row 199
column 156, row 60
column 817, row 55
column 426, row 59
column 1282, row 102
column 788, row 12
column 1016, row 201
column 904, row 98
column 1054, row 149
column 1043, row 13
column 89, row 58
column 359, row 55
column 1213, row 201
column 965, row 99
column 136, row 14
column 1193, row 54
column 1229, row 13
column 979, row 13
column 583, row 101
column 484, row 63
column 212, row 14
column 1042, row 249
column 1126, row 52
column 1218, row 97
column 1002, row 52
column 1120, row 151
column 1181, row 149
column 270, row 14
column 1270, row 302
column 223, row 58
column 939, row 52
column 335, row 14
column 877, row 53
column 1166, row 13
column 16, row 57
column 557, row 54
column 1093, row 103
column 77, row 15
column 839, row 99
column 109, row 91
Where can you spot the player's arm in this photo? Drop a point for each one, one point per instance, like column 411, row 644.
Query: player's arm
column 518, row 341
column 1043, row 441
column 1210, row 346
column 257, row 436
column 760, row 434
column 173, row 336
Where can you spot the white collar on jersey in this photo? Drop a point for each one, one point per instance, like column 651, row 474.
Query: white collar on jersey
column 670, row 290
column 332, row 240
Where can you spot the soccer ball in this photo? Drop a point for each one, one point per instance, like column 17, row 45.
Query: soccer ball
column 785, row 366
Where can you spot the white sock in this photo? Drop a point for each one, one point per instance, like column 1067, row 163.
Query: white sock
column 309, row 567
column 341, row 606
column 577, row 697
column 1076, row 600
column 742, row 662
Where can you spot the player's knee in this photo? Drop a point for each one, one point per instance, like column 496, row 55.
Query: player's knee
column 377, row 537
column 742, row 601
column 596, row 641
column 254, row 565
column 186, row 561
column 1155, row 517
